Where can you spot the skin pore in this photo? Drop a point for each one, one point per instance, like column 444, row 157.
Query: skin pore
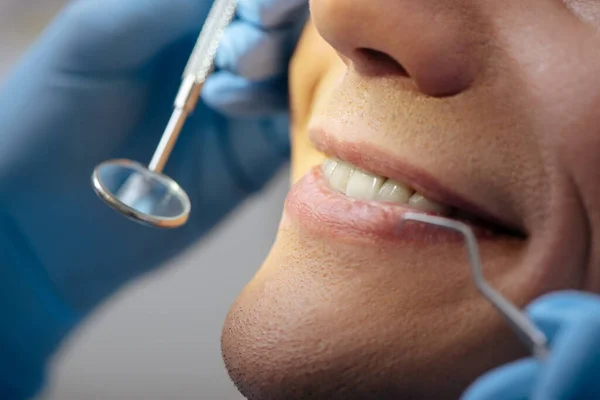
column 495, row 102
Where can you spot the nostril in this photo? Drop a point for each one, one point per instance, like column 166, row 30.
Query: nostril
column 374, row 61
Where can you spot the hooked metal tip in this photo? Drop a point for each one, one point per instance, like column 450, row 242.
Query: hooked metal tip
column 528, row 333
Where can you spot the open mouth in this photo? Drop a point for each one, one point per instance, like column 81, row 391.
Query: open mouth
column 359, row 184
column 362, row 191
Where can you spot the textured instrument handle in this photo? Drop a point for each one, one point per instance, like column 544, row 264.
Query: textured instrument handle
column 201, row 61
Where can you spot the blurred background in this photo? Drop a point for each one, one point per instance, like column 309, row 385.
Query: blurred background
column 160, row 338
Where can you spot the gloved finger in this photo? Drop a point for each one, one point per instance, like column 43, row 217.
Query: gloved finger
column 512, row 381
column 571, row 371
column 552, row 311
column 272, row 13
column 235, row 96
column 108, row 36
column 254, row 54
column 245, row 152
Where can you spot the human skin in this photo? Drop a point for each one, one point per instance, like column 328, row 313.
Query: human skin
column 493, row 102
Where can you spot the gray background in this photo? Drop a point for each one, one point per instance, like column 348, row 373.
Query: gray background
column 159, row 338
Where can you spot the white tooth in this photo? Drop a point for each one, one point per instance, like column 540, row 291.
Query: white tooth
column 420, row 202
column 328, row 167
column 363, row 186
column 395, row 192
column 340, row 175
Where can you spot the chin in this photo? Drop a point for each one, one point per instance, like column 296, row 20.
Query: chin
column 336, row 315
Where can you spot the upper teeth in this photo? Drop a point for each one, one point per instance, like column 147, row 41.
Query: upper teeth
column 358, row 184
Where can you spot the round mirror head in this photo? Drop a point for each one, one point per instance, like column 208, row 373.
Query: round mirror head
column 144, row 196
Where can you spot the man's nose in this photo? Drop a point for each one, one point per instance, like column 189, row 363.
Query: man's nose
column 438, row 44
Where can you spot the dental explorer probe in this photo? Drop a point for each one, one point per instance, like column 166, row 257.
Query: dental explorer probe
column 145, row 194
column 525, row 329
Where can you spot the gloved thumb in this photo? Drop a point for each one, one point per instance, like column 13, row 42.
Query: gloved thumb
column 118, row 36
column 552, row 311
column 574, row 361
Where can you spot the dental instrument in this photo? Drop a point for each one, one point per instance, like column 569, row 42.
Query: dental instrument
column 146, row 195
column 533, row 338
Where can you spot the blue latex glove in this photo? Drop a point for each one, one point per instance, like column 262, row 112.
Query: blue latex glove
column 99, row 84
column 571, row 321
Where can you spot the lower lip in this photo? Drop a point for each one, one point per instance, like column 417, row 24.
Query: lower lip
column 322, row 210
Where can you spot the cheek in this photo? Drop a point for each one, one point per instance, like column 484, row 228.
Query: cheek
column 333, row 320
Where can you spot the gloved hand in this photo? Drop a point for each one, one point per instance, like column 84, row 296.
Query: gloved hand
column 99, row 84
column 571, row 321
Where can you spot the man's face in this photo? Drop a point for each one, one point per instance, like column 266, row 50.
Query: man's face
column 485, row 110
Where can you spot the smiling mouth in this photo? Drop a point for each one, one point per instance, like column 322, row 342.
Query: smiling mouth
column 365, row 175
column 362, row 185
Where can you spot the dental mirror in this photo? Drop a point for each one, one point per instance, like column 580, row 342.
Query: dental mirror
column 140, row 194
column 146, row 195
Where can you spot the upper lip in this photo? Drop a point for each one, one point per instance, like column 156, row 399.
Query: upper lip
column 370, row 158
